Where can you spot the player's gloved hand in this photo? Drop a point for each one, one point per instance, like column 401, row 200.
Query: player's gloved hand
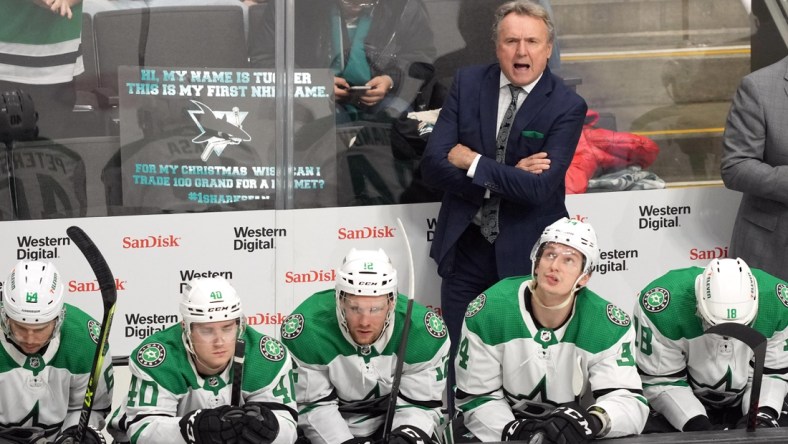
column 519, row 430
column 408, row 434
column 23, row 435
column 697, row 424
column 767, row 417
column 255, row 423
column 208, row 426
column 92, row 436
column 569, row 425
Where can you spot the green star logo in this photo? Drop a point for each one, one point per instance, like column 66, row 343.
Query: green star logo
column 151, row 355
column 292, row 326
column 475, row 306
column 617, row 315
column 434, row 324
column 782, row 293
column 656, row 299
column 271, row 349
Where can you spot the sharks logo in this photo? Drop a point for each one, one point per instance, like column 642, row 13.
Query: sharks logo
column 218, row 128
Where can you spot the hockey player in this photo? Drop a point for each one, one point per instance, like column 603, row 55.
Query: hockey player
column 531, row 346
column 344, row 341
column 700, row 381
column 46, row 354
column 181, row 379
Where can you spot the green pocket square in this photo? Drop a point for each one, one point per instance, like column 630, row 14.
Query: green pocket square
column 532, row 134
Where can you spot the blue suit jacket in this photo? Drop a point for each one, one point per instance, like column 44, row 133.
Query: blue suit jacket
column 529, row 202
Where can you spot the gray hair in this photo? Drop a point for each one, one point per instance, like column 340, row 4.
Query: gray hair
column 523, row 7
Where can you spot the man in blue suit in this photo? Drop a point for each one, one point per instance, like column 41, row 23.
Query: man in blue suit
column 494, row 210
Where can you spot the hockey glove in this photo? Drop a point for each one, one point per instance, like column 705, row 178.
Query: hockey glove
column 407, row 434
column 569, row 425
column 767, row 417
column 209, row 426
column 519, row 430
column 92, row 436
column 256, row 423
column 23, row 435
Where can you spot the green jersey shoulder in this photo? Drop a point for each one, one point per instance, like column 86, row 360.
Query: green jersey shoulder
column 315, row 322
column 163, row 356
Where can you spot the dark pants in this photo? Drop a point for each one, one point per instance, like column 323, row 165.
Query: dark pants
column 474, row 271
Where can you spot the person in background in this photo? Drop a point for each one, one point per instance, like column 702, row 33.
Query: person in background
column 380, row 51
column 40, row 53
column 754, row 159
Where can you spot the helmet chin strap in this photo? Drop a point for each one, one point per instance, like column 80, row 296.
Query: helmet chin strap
column 561, row 305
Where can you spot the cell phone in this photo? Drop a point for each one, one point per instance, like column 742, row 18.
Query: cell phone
column 360, row 88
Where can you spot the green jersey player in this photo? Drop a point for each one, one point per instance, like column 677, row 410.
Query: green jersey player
column 700, row 381
column 532, row 346
column 181, row 380
column 345, row 341
column 46, row 355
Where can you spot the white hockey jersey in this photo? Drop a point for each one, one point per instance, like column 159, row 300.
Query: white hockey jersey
column 504, row 360
column 47, row 390
column 342, row 389
column 685, row 371
column 165, row 386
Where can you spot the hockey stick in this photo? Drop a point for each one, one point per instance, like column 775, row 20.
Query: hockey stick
column 757, row 342
column 109, row 297
column 238, row 372
column 403, row 342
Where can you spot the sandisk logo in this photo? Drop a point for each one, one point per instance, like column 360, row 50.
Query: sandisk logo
column 84, row 287
column 292, row 277
column 714, row 253
column 366, row 232
column 168, row 241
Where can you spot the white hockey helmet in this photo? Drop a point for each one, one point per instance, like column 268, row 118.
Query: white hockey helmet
column 32, row 294
column 574, row 233
column 209, row 300
column 727, row 291
column 365, row 273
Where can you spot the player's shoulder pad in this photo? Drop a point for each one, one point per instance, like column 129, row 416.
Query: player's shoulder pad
column 264, row 347
column 597, row 324
column 497, row 301
column 264, row 359
column 312, row 317
column 164, row 358
column 79, row 337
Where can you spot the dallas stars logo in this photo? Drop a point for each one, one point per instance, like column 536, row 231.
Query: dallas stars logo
column 475, row 306
column 292, row 326
column 782, row 293
column 617, row 315
column 218, row 128
column 94, row 329
column 434, row 324
column 656, row 299
column 31, row 297
column 272, row 349
column 151, row 355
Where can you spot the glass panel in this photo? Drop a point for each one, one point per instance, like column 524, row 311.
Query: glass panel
column 658, row 77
